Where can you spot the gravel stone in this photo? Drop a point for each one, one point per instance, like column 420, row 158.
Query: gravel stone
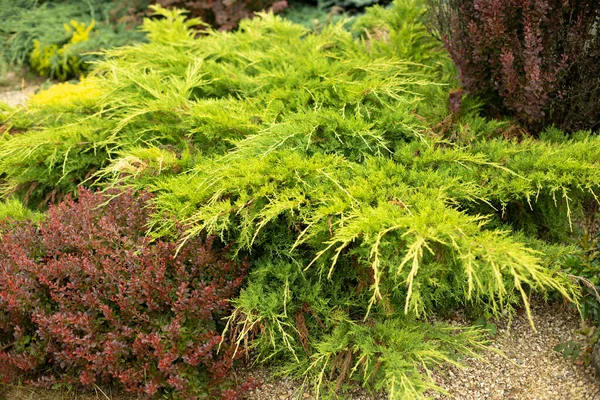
column 529, row 368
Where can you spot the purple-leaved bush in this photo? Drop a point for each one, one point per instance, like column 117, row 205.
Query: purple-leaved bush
column 534, row 59
column 88, row 298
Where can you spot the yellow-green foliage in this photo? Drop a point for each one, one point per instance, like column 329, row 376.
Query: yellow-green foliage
column 206, row 94
column 67, row 96
column 61, row 62
column 13, row 210
column 332, row 161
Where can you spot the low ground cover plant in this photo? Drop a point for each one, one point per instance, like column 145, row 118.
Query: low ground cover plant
column 368, row 205
column 87, row 298
column 585, row 264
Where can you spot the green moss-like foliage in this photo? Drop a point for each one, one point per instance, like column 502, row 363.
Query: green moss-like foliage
column 331, row 159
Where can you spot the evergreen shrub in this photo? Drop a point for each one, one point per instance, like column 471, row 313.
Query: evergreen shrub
column 366, row 203
column 534, row 59
column 61, row 62
column 87, row 298
column 186, row 95
column 348, row 4
column 67, row 97
column 310, row 15
column 12, row 210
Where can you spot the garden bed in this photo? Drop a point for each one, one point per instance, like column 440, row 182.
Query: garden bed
column 528, row 369
column 327, row 202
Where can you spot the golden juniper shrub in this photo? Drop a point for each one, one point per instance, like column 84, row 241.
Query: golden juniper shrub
column 80, row 32
column 14, row 210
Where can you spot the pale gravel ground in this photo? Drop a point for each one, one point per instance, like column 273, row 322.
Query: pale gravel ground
column 532, row 370
column 17, row 97
column 17, row 87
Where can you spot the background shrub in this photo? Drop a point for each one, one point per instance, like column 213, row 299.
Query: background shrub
column 30, row 25
column 88, row 298
column 535, row 59
column 349, row 4
column 62, row 62
column 223, row 14
column 315, row 14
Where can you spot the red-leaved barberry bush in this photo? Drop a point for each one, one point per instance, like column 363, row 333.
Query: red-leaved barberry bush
column 87, row 298
column 534, row 59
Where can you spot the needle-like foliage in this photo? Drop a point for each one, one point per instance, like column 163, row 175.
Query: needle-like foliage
column 331, row 160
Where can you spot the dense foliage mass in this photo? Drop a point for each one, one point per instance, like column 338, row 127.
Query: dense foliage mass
column 87, row 298
column 61, row 39
column 366, row 203
column 534, row 58
column 58, row 38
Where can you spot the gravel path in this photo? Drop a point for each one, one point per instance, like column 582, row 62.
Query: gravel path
column 16, row 87
column 532, row 370
column 17, row 97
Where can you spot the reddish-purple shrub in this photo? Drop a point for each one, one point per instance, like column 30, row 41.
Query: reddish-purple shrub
column 87, row 298
column 224, row 14
column 535, row 59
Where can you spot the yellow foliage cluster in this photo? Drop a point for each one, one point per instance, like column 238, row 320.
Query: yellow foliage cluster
column 68, row 95
column 61, row 62
column 81, row 33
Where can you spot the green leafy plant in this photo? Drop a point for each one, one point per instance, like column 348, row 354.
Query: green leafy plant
column 580, row 351
column 485, row 325
column 584, row 265
column 366, row 202
column 568, row 349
